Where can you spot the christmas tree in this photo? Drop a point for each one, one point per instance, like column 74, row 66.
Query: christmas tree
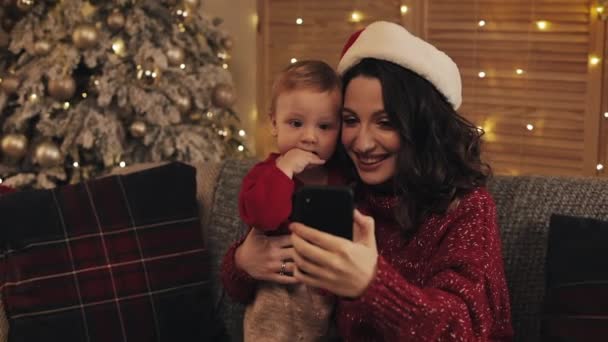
column 91, row 85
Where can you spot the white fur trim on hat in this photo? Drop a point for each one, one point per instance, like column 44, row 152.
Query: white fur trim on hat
column 393, row 43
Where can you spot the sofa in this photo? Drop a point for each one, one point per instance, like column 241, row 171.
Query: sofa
column 525, row 205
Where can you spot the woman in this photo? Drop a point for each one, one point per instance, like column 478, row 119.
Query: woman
column 425, row 263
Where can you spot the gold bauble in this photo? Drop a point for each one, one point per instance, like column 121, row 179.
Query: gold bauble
column 85, row 36
column 223, row 96
column 25, row 5
column 192, row 4
column 138, row 129
column 119, row 47
column 14, row 145
column 10, row 84
column 183, row 104
column 62, row 89
column 227, row 43
column 116, row 21
column 42, row 47
column 47, row 154
column 176, row 55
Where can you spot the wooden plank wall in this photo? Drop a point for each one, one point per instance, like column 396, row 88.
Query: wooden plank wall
column 558, row 92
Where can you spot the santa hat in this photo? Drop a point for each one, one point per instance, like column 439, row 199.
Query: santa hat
column 393, row 43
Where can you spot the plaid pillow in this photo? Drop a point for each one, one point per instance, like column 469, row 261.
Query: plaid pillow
column 114, row 259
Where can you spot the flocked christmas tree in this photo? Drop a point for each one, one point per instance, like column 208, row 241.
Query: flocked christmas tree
column 87, row 86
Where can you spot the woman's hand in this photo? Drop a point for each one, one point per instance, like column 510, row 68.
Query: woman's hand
column 343, row 267
column 262, row 257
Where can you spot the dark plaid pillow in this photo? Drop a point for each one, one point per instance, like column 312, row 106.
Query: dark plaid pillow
column 115, row 259
column 576, row 302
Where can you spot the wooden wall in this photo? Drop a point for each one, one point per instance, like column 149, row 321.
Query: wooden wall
column 559, row 92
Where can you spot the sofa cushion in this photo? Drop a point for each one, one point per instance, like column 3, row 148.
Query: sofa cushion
column 576, row 300
column 117, row 258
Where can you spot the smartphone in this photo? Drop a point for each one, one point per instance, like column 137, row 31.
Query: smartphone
column 326, row 208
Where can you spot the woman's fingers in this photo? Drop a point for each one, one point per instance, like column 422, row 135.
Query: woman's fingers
column 282, row 241
column 312, row 270
column 316, row 237
column 310, row 251
column 308, row 279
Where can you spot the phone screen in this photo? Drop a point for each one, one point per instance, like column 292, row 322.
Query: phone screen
column 326, row 208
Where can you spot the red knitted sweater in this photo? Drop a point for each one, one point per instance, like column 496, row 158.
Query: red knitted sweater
column 446, row 283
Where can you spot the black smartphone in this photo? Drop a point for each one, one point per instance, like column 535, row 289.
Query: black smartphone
column 326, row 208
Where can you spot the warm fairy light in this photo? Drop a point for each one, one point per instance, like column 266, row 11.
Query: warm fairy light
column 225, row 66
column 299, row 21
column 122, row 164
column 599, row 167
column 293, row 60
column 182, row 66
column 355, row 17
column 241, row 148
column 481, row 74
column 0, row 180
column 403, row 9
column 222, row 55
column 153, row 74
column 606, row 115
column 530, row 127
column 542, row 24
column 66, row 105
column 599, row 9
column 181, row 27
column 76, row 165
column 519, row 71
column 84, row 95
column 209, row 115
column 594, row 60
column 97, row 81
column 242, row 133
column 481, row 23
column 33, row 98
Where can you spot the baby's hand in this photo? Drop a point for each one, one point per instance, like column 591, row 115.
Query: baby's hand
column 297, row 160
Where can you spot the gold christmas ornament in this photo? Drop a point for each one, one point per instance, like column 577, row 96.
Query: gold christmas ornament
column 119, row 47
column 183, row 104
column 116, row 21
column 10, row 84
column 227, row 43
column 62, row 89
column 47, row 154
column 25, row 5
column 14, row 145
column 176, row 55
column 192, row 4
column 42, row 47
column 138, row 129
column 85, row 36
column 223, row 96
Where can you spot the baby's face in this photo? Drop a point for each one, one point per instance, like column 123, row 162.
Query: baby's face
column 308, row 120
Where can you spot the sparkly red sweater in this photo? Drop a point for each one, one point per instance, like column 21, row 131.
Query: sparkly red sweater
column 446, row 283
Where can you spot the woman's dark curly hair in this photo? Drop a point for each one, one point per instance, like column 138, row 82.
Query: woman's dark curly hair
column 439, row 160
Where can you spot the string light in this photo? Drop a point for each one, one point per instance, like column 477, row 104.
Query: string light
column 225, row 66
column 242, row 133
column 599, row 9
column 542, row 24
column 599, row 167
column 403, row 9
column 33, row 98
column 519, row 71
column 241, row 148
column 222, row 55
column 530, row 127
column 355, row 16
column 293, row 60
column 122, row 164
column 594, row 60
column 66, row 105
column 182, row 28
column 1, row 180
column 76, row 165
column 299, row 21
column 606, row 115
column 84, row 95
column 481, row 23
column 481, row 74
column 182, row 66
column 209, row 115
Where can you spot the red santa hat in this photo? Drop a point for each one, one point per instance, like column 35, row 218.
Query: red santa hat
column 393, row 43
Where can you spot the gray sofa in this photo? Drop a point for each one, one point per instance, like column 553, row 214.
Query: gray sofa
column 524, row 203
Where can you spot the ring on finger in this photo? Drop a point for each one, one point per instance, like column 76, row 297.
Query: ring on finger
column 283, row 266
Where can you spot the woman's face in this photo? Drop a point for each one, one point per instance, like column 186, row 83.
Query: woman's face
column 368, row 134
